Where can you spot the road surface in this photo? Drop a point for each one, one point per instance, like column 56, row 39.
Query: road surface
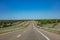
column 30, row 33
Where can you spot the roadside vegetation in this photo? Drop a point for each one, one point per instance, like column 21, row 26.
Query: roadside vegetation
column 43, row 25
column 12, row 25
column 44, row 22
column 9, row 23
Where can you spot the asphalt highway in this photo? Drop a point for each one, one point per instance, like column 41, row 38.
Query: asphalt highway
column 31, row 33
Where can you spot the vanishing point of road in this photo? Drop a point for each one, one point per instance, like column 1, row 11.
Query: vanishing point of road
column 30, row 33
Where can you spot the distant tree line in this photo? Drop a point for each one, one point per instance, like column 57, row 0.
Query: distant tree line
column 43, row 22
column 7, row 23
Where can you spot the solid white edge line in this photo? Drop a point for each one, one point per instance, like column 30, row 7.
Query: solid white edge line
column 41, row 33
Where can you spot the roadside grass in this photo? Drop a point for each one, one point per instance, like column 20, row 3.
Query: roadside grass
column 54, row 24
column 13, row 28
column 52, row 28
column 57, row 31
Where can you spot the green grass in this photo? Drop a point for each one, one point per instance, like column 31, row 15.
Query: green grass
column 50, row 29
column 41, row 23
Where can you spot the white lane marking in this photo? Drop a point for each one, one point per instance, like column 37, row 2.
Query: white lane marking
column 24, row 31
column 18, row 35
column 41, row 33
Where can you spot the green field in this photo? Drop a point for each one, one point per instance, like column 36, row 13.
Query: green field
column 44, row 24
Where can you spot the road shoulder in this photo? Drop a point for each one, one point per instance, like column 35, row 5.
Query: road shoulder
column 51, row 35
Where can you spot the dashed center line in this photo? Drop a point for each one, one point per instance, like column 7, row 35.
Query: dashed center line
column 24, row 31
column 18, row 35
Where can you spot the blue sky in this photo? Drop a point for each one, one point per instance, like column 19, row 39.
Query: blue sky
column 29, row 9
